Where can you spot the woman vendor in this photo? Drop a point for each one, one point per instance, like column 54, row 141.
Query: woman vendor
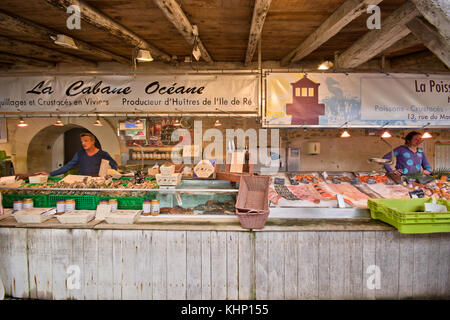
column 410, row 158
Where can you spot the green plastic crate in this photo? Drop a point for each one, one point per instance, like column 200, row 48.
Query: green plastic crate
column 39, row 200
column 408, row 216
column 127, row 203
column 82, row 202
column 55, row 178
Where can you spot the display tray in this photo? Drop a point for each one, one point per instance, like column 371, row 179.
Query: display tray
column 337, row 177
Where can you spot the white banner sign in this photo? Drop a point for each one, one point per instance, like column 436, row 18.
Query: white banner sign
column 331, row 99
column 412, row 98
column 193, row 93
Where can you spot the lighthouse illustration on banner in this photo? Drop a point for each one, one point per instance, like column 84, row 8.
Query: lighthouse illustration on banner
column 305, row 107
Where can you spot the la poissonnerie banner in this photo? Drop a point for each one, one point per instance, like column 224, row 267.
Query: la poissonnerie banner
column 190, row 93
column 331, row 99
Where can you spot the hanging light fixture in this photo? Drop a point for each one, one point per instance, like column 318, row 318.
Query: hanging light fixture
column 325, row 65
column 217, row 123
column 177, row 123
column 144, row 56
column 22, row 123
column 97, row 122
column 58, row 122
column 64, row 41
column 426, row 134
column 386, row 134
column 345, row 133
column 196, row 50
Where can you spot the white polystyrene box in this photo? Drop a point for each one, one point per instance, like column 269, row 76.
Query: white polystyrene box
column 123, row 216
column 76, row 216
column 34, row 215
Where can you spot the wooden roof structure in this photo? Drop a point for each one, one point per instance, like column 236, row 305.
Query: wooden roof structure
column 292, row 32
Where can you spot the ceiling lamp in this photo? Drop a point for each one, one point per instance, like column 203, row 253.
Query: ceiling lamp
column 177, row 123
column 58, row 122
column 22, row 123
column 217, row 123
column 97, row 122
column 196, row 50
column 326, row 65
column 64, row 41
column 426, row 134
column 345, row 134
column 386, row 134
column 144, row 56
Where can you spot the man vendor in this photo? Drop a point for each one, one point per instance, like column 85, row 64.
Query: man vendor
column 89, row 158
column 410, row 158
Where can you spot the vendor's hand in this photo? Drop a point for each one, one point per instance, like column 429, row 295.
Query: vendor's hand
column 398, row 172
column 41, row 172
column 426, row 172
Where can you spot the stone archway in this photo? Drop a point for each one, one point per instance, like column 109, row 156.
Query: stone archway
column 33, row 144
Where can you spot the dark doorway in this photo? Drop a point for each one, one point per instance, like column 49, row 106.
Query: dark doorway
column 72, row 142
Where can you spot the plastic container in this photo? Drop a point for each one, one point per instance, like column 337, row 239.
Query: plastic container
column 27, row 203
column 252, row 204
column 146, row 207
column 114, row 204
column 409, row 216
column 155, row 207
column 82, row 202
column 60, row 206
column 40, row 200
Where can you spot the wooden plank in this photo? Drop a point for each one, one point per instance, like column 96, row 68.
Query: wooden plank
column 90, row 269
column 218, row 266
column 77, row 260
column 232, row 254
column 407, row 42
column 15, row 59
column 159, row 265
column 117, row 264
column 324, row 264
column 444, row 266
column 144, row 256
column 356, row 270
column 129, row 262
column 32, row 50
column 176, row 265
column 308, row 265
column 103, row 22
column 387, row 258
column 4, row 259
column 276, row 265
column 40, row 263
column 431, row 38
column 420, row 275
column 377, row 40
column 261, row 266
column 346, row 13
column 206, row 265
column 16, row 264
column 369, row 288
column 175, row 14
column 193, row 266
column 246, row 262
column 61, row 256
column 23, row 26
column 406, row 268
column 259, row 16
column 105, row 289
column 290, row 265
column 437, row 12
column 339, row 265
column 433, row 266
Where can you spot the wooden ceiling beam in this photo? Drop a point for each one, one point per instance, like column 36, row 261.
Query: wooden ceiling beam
column 431, row 38
column 393, row 28
column 259, row 16
column 407, row 42
column 346, row 13
column 29, row 28
column 15, row 59
column 105, row 23
column 437, row 12
column 32, row 50
column 177, row 17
